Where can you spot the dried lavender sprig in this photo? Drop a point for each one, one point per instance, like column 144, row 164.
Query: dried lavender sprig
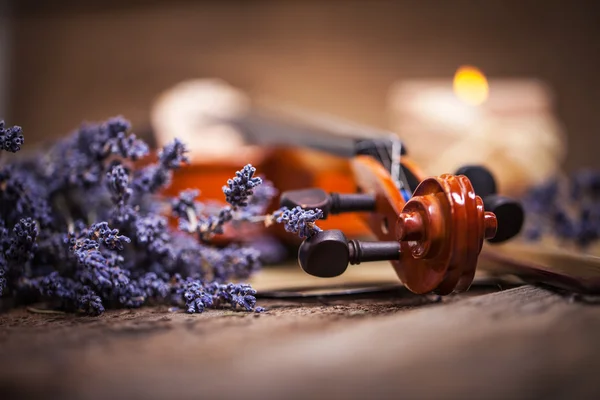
column 107, row 236
column 241, row 187
column 299, row 221
column 118, row 183
column 22, row 244
column 155, row 177
column 197, row 295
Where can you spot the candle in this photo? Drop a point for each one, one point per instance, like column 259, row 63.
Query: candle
column 506, row 125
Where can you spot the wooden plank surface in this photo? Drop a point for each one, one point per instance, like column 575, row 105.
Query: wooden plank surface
column 524, row 342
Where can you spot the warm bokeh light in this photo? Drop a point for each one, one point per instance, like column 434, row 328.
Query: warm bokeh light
column 471, row 85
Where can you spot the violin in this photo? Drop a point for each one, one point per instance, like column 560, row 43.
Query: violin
column 432, row 232
column 430, row 229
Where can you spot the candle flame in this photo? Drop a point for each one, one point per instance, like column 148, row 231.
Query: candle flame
column 471, row 85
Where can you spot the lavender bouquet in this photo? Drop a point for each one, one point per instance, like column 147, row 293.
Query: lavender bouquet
column 83, row 229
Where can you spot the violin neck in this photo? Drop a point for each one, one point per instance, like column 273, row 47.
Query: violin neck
column 295, row 128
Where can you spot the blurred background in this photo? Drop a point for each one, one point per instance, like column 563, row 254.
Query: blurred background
column 65, row 61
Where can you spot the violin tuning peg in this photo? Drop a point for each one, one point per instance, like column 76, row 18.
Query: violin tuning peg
column 510, row 215
column 325, row 254
column 333, row 203
column 328, row 253
column 306, row 199
column 509, row 212
column 481, row 179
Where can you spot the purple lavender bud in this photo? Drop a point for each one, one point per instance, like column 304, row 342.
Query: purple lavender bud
column 122, row 215
column 299, row 221
column 172, row 156
column 89, row 302
column 184, row 202
column 242, row 295
column 22, row 244
column 118, row 183
column 11, row 139
column 119, row 142
column 240, row 188
column 194, row 296
column 151, row 179
column 109, row 237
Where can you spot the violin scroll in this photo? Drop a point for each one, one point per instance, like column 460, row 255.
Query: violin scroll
column 441, row 231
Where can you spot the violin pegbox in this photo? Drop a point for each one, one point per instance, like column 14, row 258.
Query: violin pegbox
column 433, row 240
column 440, row 229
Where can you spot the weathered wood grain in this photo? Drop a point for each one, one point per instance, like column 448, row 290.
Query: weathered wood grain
column 520, row 343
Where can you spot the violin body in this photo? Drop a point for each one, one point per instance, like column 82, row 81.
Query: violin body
column 289, row 169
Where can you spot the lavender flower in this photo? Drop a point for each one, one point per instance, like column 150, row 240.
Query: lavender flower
column 11, row 139
column 118, row 183
column 88, row 233
column 107, row 236
column 119, row 142
column 299, row 221
column 89, row 302
column 196, row 299
column 155, row 177
column 22, row 243
column 239, row 295
column 240, row 188
column 172, row 156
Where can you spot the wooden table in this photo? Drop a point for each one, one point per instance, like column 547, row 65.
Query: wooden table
column 489, row 343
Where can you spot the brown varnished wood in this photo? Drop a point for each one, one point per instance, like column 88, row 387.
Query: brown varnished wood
column 441, row 228
column 371, row 177
column 289, row 169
